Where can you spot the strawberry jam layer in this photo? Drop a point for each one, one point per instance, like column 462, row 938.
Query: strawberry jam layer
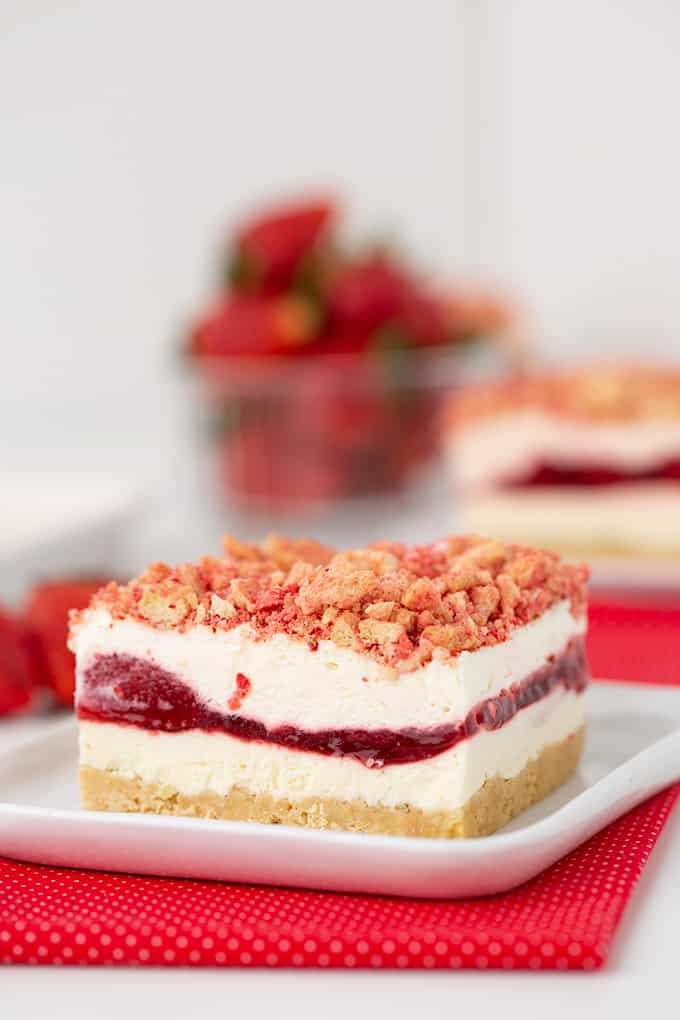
column 136, row 692
column 547, row 473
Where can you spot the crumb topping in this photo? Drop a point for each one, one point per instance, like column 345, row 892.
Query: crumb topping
column 242, row 691
column 402, row 605
column 621, row 394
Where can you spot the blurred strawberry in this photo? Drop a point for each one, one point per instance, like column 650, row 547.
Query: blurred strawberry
column 16, row 664
column 367, row 293
column 423, row 319
column 262, row 467
column 338, row 419
column 250, row 325
column 46, row 612
column 343, row 339
column 270, row 250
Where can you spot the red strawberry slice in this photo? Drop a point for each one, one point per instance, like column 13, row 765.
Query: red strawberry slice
column 344, row 339
column 16, row 665
column 270, row 249
column 252, row 325
column 368, row 293
column 46, row 613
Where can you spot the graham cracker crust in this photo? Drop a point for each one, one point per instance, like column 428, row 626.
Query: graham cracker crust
column 491, row 807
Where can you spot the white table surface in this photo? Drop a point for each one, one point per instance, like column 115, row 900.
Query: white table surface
column 641, row 979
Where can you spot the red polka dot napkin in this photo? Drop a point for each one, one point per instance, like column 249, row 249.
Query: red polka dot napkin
column 562, row 920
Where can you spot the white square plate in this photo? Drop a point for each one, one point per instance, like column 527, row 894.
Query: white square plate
column 632, row 751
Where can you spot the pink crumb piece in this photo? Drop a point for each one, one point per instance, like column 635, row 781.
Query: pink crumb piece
column 404, row 647
column 273, row 598
column 243, row 686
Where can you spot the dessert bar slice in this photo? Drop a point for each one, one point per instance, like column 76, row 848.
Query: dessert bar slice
column 590, row 461
column 431, row 690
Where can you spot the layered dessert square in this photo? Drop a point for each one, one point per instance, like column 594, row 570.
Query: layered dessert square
column 432, row 690
column 586, row 462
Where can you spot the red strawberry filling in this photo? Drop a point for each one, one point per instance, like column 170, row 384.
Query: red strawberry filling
column 128, row 690
column 548, row 473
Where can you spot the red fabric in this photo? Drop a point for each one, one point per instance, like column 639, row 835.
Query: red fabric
column 629, row 640
column 562, row 920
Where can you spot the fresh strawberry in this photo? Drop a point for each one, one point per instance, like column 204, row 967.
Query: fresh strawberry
column 343, row 339
column 253, row 325
column 46, row 613
column 16, row 665
column 270, row 250
column 367, row 293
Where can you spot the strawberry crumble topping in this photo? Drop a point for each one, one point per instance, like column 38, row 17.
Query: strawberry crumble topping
column 399, row 604
column 242, row 691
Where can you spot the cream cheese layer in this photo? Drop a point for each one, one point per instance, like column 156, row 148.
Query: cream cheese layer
column 331, row 687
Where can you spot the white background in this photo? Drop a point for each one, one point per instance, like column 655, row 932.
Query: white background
column 536, row 142
column 579, row 166
column 136, row 131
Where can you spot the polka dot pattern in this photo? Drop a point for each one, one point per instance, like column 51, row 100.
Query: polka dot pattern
column 562, row 920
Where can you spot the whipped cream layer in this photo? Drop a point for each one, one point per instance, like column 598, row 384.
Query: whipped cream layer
column 641, row 519
column 196, row 763
column 486, row 452
column 331, row 687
